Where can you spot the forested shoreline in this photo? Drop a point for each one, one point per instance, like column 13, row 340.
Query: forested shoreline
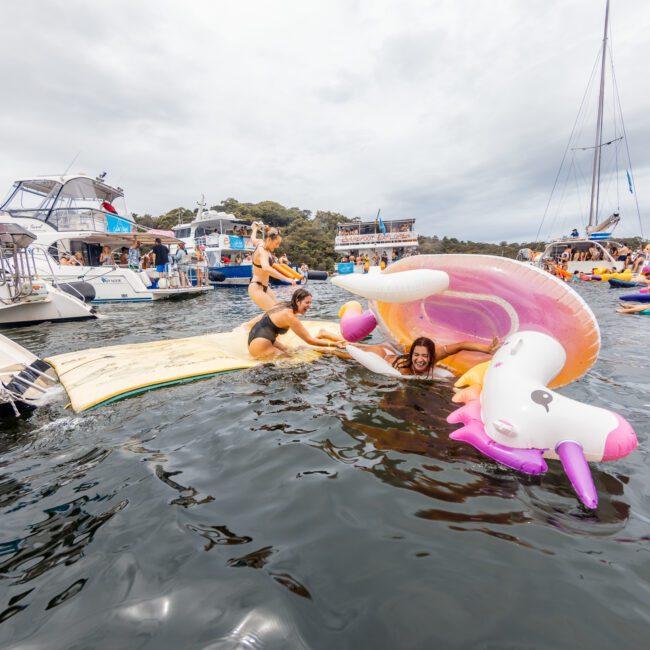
column 309, row 238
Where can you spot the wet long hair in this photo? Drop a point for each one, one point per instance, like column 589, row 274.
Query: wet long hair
column 406, row 360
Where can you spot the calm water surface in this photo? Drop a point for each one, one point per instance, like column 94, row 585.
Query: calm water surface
column 314, row 506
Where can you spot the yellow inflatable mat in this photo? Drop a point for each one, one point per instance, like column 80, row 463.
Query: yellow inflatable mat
column 102, row 375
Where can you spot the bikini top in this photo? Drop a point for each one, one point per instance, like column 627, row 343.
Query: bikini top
column 272, row 258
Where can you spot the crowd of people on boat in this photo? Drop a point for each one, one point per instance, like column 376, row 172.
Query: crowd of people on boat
column 366, row 260
column 634, row 260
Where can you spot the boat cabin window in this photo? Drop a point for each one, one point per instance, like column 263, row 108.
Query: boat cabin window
column 183, row 232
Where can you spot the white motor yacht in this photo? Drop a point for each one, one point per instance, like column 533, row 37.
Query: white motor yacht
column 228, row 248
column 25, row 299
column 74, row 217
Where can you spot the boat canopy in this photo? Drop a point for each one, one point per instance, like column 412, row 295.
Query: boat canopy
column 370, row 227
column 146, row 238
column 11, row 234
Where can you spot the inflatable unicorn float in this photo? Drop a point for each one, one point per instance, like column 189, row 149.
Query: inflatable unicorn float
column 509, row 409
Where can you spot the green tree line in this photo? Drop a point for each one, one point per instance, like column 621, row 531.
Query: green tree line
column 309, row 238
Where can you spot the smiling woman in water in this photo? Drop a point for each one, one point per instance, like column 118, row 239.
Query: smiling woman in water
column 424, row 354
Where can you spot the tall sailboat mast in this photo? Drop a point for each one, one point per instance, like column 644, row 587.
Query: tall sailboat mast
column 595, row 179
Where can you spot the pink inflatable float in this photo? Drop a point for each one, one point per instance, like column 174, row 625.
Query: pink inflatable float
column 551, row 338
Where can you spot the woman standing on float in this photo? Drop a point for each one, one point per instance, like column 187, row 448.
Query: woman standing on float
column 263, row 259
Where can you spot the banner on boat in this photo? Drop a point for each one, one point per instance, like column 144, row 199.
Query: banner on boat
column 117, row 224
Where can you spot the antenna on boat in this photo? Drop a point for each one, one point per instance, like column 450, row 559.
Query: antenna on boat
column 595, row 178
column 201, row 205
column 72, row 162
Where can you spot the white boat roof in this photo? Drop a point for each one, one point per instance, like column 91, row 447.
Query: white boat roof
column 212, row 217
column 41, row 182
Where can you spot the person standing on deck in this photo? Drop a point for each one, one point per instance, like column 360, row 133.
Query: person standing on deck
column 161, row 253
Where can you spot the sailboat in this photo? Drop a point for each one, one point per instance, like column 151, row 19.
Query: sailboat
column 596, row 248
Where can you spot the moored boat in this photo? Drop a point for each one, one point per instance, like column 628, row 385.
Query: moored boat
column 72, row 218
column 374, row 243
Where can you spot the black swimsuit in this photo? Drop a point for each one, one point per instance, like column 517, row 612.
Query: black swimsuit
column 265, row 328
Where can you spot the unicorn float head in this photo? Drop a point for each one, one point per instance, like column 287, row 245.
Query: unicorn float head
column 510, row 410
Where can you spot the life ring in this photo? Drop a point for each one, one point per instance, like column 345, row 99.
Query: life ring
column 287, row 271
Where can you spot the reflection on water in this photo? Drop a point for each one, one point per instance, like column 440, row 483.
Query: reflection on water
column 320, row 506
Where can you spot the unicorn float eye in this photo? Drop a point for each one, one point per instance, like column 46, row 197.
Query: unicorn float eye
column 542, row 397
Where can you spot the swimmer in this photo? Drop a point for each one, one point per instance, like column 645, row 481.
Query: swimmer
column 279, row 319
column 263, row 259
column 632, row 309
column 423, row 354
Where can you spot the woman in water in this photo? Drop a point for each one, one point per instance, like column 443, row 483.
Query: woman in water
column 263, row 259
column 424, row 354
column 279, row 319
column 632, row 309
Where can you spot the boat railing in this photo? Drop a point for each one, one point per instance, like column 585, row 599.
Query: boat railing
column 376, row 238
column 17, row 272
column 227, row 242
column 72, row 219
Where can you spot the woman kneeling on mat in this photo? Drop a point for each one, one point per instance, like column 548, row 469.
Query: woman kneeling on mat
column 424, row 354
column 262, row 339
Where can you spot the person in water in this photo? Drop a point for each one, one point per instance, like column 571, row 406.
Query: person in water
column 632, row 309
column 279, row 319
column 263, row 259
column 424, row 354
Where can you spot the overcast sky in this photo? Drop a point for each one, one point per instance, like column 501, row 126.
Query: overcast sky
column 454, row 112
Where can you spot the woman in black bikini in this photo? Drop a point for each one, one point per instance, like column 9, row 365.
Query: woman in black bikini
column 258, row 289
column 262, row 339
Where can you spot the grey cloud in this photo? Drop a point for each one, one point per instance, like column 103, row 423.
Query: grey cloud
column 456, row 113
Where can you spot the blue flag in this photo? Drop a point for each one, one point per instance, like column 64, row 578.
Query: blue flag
column 380, row 223
column 629, row 182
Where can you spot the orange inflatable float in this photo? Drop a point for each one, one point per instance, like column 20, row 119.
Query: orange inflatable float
column 287, row 271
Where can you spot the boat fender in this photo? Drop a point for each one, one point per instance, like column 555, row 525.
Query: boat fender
column 216, row 276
